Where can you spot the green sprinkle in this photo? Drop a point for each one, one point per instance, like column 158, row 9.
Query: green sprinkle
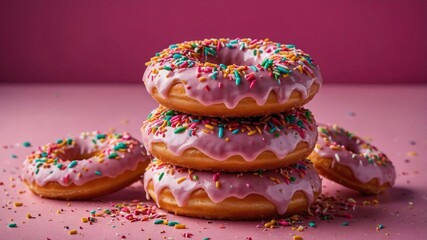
column 173, row 223
column 59, row 141
column 69, row 141
column 101, row 136
column 167, row 68
column 292, row 179
column 161, row 176
column 43, row 154
column 112, row 155
column 180, row 129
column 39, row 164
column 195, row 177
column 236, row 74
column 72, row 164
column 120, row 145
column 344, row 224
column 37, row 170
column 223, row 66
column 59, row 165
column 206, row 238
column 170, row 112
column 177, row 56
column 290, row 46
column 312, row 224
column 159, row 221
column 26, row 144
column 149, row 116
column 107, row 211
column 254, row 68
column 92, row 212
column 12, row 225
column 14, row 156
column 98, row 173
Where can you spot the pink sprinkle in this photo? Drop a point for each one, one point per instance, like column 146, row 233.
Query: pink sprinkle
column 187, row 235
column 216, row 176
column 252, row 84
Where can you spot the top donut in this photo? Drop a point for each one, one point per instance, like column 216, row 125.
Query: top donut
column 232, row 77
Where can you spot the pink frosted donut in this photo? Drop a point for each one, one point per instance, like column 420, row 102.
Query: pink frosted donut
column 88, row 166
column 230, row 144
column 232, row 77
column 220, row 195
column 349, row 160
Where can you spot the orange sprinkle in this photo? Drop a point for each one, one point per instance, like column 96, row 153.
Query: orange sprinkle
column 209, row 126
column 72, row 232
column 202, row 79
column 180, row 226
column 181, row 180
column 217, row 184
column 18, row 204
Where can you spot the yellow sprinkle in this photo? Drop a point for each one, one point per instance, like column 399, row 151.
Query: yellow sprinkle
column 335, row 147
column 202, row 79
column 181, row 180
column 180, row 226
column 296, row 237
column 300, row 228
column 217, row 184
column 317, row 146
column 72, row 232
column 101, row 160
column 184, row 82
column 252, row 132
column 165, row 222
column 206, row 131
column 209, row 126
column 58, row 211
column 208, row 64
column 258, row 129
column 18, row 204
column 29, row 216
column 85, row 220
column 412, row 154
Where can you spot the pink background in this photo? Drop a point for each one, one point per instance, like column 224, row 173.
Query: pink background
column 358, row 41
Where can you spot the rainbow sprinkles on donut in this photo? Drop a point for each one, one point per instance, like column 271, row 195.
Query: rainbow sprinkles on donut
column 224, row 77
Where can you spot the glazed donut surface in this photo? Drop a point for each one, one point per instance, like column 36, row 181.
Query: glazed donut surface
column 87, row 166
column 230, row 144
column 224, row 77
column 349, row 160
column 219, row 195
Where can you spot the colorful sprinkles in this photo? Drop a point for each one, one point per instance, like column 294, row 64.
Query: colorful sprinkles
column 365, row 150
column 161, row 119
column 55, row 156
column 280, row 60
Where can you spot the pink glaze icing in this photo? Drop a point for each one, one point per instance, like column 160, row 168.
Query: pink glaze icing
column 277, row 186
column 107, row 155
column 221, row 138
column 226, row 71
column 347, row 149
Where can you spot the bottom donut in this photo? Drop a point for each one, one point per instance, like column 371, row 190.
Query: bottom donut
column 235, row 196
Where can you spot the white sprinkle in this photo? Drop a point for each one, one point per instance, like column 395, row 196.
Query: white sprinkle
column 337, row 157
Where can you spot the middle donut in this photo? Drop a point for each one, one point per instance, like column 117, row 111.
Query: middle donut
column 230, row 144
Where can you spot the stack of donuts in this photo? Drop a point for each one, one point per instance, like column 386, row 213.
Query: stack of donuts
column 230, row 137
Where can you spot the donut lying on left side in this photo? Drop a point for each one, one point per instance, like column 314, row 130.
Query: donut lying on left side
column 90, row 165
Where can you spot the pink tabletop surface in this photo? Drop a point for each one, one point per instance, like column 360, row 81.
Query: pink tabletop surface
column 392, row 116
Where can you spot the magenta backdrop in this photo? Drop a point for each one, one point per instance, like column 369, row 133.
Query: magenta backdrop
column 354, row 41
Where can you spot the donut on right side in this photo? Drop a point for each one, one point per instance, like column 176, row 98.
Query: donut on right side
column 345, row 158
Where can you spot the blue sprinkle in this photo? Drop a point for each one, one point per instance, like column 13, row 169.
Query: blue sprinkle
column 235, row 131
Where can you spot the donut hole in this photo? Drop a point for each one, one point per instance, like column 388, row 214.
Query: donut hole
column 229, row 56
column 78, row 153
column 348, row 144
